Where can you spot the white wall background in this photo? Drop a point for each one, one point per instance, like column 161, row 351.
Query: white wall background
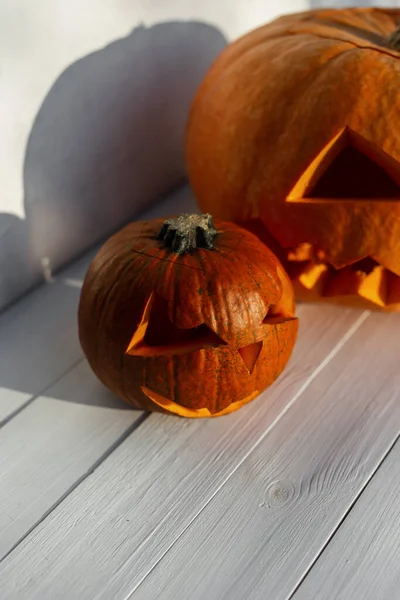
column 93, row 101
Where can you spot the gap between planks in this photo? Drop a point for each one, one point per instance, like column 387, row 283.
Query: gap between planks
column 236, row 550
column 27, row 402
column 82, row 478
column 328, row 322
column 341, row 569
column 286, row 408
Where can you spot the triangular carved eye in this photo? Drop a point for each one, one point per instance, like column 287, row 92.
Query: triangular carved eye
column 157, row 335
column 354, row 175
column 350, row 167
column 250, row 355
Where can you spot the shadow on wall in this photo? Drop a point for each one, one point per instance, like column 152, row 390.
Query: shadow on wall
column 106, row 143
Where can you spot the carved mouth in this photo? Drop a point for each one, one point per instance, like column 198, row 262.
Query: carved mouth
column 365, row 278
column 183, row 411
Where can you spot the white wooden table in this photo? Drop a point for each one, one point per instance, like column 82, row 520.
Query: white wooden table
column 296, row 495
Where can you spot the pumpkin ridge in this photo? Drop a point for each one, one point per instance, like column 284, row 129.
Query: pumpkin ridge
column 102, row 316
column 313, row 17
column 161, row 258
column 230, row 269
column 394, row 54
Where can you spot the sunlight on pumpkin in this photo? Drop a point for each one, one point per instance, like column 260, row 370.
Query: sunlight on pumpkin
column 182, row 411
column 285, row 307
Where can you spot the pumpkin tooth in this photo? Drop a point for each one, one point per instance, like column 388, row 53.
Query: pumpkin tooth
column 303, row 252
column 374, row 286
column 314, row 276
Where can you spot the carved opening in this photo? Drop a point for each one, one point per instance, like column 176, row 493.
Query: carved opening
column 156, row 334
column 183, row 411
column 349, row 167
column 354, row 175
column 365, row 265
column 307, row 265
column 250, row 355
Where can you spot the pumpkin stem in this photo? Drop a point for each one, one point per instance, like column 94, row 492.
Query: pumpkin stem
column 188, row 232
column 394, row 39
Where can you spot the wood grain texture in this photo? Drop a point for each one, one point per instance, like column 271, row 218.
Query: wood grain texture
column 106, row 536
column 51, row 445
column 257, row 537
column 363, row 559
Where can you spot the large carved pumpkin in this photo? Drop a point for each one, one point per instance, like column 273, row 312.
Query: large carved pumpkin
column 182, row 317
column 295, row 133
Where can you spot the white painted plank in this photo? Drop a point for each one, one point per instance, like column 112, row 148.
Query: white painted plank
column 258, row 536
column 10, row 402
column 363, row 559
column 105, row 536
column 47, row 448
column 38, row 343
column 38, row 335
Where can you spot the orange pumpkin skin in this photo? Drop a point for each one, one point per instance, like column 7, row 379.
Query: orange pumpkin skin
column 292, row 134
column 196, row 334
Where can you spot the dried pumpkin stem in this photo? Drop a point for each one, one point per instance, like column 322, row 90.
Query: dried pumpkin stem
column 394, row 39
column 188, row 232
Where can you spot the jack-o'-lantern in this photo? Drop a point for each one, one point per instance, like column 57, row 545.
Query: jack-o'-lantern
column 295, row 134
column 186, row 316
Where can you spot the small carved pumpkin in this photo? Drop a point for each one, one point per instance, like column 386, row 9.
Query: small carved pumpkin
column 185, row 317
column 295, row 133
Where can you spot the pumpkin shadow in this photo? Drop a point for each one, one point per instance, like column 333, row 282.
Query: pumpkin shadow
column 17, row 268
column 107, row 143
